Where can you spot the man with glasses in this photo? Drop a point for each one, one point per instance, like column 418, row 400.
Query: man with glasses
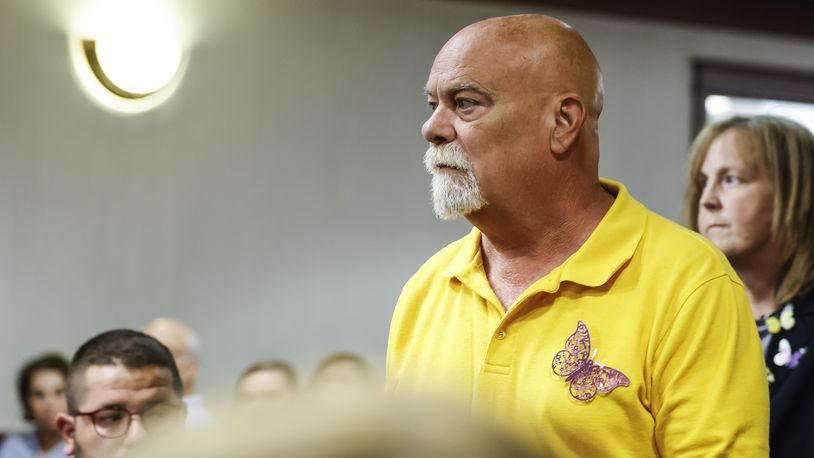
column 121, row 385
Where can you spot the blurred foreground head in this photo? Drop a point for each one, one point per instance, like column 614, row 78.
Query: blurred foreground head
column 370, row 427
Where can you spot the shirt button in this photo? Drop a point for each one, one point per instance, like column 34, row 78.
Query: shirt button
column 500, row 335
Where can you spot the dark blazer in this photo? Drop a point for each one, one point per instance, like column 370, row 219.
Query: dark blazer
column 791, row 425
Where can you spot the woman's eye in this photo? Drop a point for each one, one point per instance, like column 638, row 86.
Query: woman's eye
column 432, row 105
column 732, row 179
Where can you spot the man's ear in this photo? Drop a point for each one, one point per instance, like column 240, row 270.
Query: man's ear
column 568, row 120
column 67, row 429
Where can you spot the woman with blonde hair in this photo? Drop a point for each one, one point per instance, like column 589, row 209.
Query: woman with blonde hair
column 751, row 192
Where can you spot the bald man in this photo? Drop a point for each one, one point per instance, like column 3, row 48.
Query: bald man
column 184, row 345
column 570, row 313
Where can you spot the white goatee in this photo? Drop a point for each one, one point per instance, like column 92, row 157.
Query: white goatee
column 453, row 195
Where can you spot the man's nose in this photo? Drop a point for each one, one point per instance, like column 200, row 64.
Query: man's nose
column 438, row 129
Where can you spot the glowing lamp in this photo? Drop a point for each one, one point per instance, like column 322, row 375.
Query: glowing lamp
column 128, row 54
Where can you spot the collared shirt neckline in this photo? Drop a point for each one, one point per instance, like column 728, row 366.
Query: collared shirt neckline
column 607, row 249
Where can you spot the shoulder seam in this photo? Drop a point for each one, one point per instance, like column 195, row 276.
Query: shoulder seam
column 683, row 301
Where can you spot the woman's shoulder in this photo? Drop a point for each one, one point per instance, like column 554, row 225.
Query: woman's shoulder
column 19, row 445
column 57, row 451
column 24, row 445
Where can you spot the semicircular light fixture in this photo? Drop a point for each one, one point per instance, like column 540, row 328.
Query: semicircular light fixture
column 128, row 54
column 132, row 72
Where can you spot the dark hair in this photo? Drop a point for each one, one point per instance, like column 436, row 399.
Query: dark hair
column 131, row 349
column 48, row 361
column 272, row 365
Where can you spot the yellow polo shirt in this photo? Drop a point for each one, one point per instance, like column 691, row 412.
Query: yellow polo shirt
column 661, row 305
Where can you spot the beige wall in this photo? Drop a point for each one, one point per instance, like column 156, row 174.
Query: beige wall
column 277, row 202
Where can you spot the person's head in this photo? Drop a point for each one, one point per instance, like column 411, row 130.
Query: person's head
column 265, row 381
column 114, row 375
column 751, row 193
column 41, row 389
column 340, row 372
column 368, row 427
column 515, row 106
column 184, row 345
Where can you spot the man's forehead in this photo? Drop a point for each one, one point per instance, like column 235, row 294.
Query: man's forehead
column 488, row 65
column 472, row 51
column 133, row 387
column 491, row 79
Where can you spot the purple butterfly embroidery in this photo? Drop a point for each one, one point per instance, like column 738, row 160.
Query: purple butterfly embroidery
column 586, row 376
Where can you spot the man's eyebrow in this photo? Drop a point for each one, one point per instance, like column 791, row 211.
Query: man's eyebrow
column 472, row 87
column 461, row 87
column 110, row 405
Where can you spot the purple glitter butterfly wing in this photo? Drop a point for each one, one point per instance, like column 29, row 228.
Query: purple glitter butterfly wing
column 608, row 378
column 575, row 355
column 604, row 379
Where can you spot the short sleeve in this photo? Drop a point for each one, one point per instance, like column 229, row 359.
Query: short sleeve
column 710, row 394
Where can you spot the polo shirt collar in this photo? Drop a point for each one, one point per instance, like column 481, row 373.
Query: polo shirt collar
column 611, row 244
column 467, row 258
column 607, row 249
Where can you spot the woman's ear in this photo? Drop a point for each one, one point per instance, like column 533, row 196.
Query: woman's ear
column 569, row 117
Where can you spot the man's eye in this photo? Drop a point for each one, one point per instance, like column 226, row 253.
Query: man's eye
column 432, row 105
column 463, row 104
column 109, row 417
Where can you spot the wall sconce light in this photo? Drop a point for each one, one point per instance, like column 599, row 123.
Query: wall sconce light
column 128, row 55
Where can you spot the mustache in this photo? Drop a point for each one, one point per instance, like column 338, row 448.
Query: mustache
column 446, row 155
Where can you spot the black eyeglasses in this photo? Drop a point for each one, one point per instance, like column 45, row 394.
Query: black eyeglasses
column 113, row 422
